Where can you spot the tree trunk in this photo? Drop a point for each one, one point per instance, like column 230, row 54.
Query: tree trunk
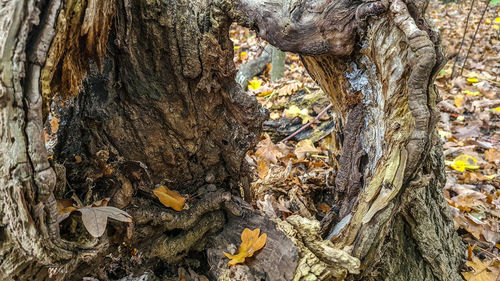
column 158, row 104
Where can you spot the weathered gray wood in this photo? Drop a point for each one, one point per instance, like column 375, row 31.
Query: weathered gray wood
column 254, row 67
column 277, row 64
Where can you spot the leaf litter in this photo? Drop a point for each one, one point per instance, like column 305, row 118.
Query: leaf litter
column 291, row 177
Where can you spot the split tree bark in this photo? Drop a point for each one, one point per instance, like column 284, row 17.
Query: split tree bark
column 159, row 104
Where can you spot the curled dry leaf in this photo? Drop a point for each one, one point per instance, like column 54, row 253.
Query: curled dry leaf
column 251, row 242
column 170, row 198
column 65, row 206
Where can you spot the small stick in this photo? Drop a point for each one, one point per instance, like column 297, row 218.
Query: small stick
column 474, row 36
column 308, row 124
column 463, row 39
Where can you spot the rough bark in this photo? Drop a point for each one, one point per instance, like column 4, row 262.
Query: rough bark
column 162, row 106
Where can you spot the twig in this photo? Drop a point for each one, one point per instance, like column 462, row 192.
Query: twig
column 463, row 38
column 308, row 124
column 474, row 36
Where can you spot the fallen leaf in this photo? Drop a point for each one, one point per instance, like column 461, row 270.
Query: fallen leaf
column 459, row 101
column 470, row 93
column 255, row 83
column 170, row 198
column 251, row 242
column 492, row 155
column 323, row 207
column 463, row 162
column 472, row 80
column 78, row 159
column 243, row 56
column 294, row 111
column 95, row 219
column 262, row 169
column 304, row 147
column 267, row 150
column 54, row 125
column 481, row 271
column 65, row 206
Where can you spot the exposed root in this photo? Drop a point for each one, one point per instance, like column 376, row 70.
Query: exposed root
column 173, row 249
column 319, row 260
column 163, row 225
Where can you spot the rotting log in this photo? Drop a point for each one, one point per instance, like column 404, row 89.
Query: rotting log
column 157, row 103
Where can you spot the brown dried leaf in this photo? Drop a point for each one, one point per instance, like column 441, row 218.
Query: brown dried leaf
column 488, row 271
column 267, row 150
column 304, row 147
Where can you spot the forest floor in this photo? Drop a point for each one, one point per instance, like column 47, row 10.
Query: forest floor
column 295, row 176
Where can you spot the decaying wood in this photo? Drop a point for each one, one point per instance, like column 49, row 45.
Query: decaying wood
column 252, row 68
column 159, row 104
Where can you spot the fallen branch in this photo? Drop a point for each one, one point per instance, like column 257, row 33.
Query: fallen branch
column 308, row 124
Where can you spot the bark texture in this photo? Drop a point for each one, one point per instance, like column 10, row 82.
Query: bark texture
column 159, row 104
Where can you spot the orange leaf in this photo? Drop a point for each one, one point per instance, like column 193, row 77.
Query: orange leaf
column 262, row 169
column 170, row 198
column 251, row 242
column 65, row 206
column 54, row 125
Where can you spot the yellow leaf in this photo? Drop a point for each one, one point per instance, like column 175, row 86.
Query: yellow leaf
column 495, row 27
column 459, row 101
column 487, row 21
column 243, row 55
column 294, row 111
column 274, row 115
column 236, row 47
column 444, row 134
column 472, row 80
column 265, row 93
column 254, row 83
column 464, row 161
column 460, row 118
column 497, row 20
column 251, row 242
column 470, row 93
column 496, row 109
column 169, row 198
column 304, row 147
